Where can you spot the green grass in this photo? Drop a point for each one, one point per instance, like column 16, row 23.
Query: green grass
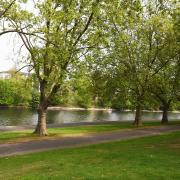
column 148, row 158
column 25, row 135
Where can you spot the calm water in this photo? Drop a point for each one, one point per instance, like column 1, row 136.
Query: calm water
column 20, row 116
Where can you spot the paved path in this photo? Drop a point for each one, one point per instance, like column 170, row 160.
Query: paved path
column 42, row 145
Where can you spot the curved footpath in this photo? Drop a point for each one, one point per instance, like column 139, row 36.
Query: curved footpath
column 43, row 145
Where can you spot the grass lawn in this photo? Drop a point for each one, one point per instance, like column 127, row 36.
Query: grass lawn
column 148, row 158
column 26, row 135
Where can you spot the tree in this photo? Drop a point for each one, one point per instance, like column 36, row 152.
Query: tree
column 6, row 93
column 5, row 10
column 163, row 87
column 5, row 6
column 15, row 90
column 55, row 38
column 142, row 33
column 22, row 88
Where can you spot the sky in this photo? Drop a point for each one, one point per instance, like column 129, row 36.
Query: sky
column 9, row 51
column 10, row 46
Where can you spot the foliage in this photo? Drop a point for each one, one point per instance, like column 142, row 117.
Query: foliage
column 35, row 99
column 143, row 45
column 15, row 91
column 6, row 93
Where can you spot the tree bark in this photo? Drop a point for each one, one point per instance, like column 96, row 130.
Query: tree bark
column 138, row 116
column 41, row 128
column 165, row 115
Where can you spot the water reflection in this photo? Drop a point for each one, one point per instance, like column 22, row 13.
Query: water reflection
column 20, row 116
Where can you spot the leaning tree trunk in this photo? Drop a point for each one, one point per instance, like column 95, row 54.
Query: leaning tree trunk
column 41, row 128
column 138, row 116
column 165, row 115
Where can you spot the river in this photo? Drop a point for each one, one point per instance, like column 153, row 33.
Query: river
column 23, row 116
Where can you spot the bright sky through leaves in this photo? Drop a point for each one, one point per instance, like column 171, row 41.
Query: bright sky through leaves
column 12, row 54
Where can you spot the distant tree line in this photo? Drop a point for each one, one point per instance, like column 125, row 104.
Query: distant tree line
column 85, row 88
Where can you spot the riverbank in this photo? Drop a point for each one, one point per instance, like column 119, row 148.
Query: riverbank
column 99, row 109
column 21, row 135
column 64, row 108
column 79, row 109
column 121, row 124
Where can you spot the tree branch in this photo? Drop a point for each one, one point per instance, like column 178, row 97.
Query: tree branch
column 84, row 30
column 9, row 6
column 29, row 65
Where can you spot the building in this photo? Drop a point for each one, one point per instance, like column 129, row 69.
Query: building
column 5, row 75
column 9, row 74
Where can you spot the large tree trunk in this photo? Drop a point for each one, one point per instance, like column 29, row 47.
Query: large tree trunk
column 138, row 116
column 166, row 106
column 41, row 128
column 165, row 115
